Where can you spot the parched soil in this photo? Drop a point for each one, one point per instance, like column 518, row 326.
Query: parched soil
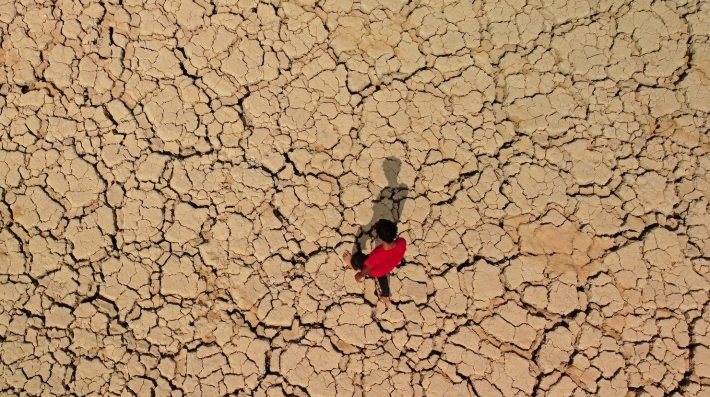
column 179, row 178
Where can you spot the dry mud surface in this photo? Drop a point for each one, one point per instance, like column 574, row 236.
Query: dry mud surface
column 179, row 178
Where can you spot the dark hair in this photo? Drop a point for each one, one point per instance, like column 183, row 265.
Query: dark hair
column 386, row 230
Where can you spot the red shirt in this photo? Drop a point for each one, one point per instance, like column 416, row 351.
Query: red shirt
column 382, row 261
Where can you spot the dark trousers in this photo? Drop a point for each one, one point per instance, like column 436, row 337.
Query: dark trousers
column 358, row 261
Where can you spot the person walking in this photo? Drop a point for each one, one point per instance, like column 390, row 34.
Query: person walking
column 382, row 260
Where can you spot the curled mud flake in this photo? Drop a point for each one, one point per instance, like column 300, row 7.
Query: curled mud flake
column 16, row 351
column 485, row 283
column 556, row 350
column 45, row 255
column 10, row 163
column 700, row 357
column 514, row 373
column 699, row 221
column 59, row 317
column 141, row 216
column 37, row 209
column 546, row 113
column 60, row 60
column 132, row 274
column 449, row 296
column 489, row 241
column 88, row 241
column 563, row 298
column 13, row 260
column 152, row 168
column 661, row 102
column 248, row 63
column 157, row 61
column 655, row 193
column 187, row 225
column 91, row 376
column 701, row 55
column 76, row 180
column 180, row 278
column 247, row 294
column 441, row 385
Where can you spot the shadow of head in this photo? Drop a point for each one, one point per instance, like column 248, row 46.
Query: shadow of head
column 391, row 166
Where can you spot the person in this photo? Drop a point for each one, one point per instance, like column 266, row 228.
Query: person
column 382, row 260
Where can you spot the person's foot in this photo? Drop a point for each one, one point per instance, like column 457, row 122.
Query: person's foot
column 347, row 259
column 386, row 300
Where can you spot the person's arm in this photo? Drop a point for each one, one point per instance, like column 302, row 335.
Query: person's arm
column 361, row 274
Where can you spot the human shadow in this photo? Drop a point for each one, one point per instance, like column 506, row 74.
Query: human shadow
column 388, row 204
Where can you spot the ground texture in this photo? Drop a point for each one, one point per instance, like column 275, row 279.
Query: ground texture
column 178, row 180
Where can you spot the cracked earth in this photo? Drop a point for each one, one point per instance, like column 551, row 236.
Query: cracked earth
column 179, row 178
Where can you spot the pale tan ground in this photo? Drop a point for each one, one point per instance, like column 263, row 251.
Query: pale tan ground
column 178, row 178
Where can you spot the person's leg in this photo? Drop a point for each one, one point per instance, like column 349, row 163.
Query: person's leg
column 358, row 261
column 384, row 285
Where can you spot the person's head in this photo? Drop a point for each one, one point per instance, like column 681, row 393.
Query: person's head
column 386, row 230
column 391, row 166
